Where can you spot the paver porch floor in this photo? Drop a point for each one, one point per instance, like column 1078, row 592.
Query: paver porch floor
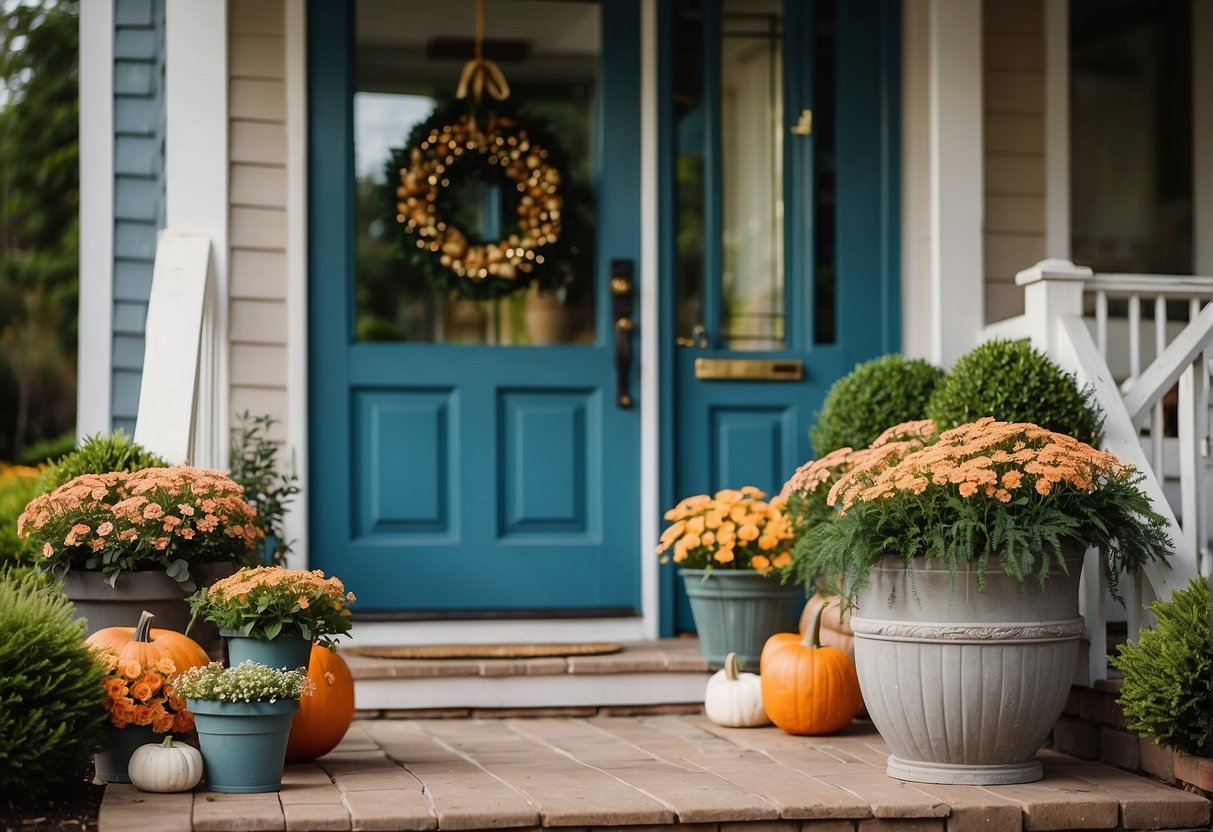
column 647, row 773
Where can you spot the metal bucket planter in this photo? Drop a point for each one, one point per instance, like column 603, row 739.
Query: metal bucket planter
column 243, row 744
column 736, row 611
column 965, row 686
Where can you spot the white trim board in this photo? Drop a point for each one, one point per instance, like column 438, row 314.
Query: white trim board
column 196, row 191
column 650, row 359
column 94, row 394
column 295, row 522
column 1057, row 129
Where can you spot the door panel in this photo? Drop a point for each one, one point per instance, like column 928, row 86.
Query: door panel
column 784, row 204
column 461, row 460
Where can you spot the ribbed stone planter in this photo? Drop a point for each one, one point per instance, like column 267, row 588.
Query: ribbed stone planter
column 965, row 686
column 736, row 611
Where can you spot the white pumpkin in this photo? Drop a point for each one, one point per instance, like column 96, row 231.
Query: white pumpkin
column 167, row 767
column 734, row 699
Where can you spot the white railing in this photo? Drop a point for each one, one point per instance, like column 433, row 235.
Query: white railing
column 1133, row 361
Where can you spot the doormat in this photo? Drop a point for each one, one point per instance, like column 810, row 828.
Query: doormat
column 487, row 651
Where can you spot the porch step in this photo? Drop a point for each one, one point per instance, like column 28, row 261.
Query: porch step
column 657, row 774
column 667, row 674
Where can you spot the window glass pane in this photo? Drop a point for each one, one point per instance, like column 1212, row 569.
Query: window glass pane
column 408, row 60
column 751, row 146
column 1131, row 136
column 689, row 127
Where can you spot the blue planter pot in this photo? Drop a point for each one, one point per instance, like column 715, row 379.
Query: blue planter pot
column 243, row 743
column 284, row 652
column 120, row 744
column 737, row 611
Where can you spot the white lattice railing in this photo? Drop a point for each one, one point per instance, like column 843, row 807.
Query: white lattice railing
column 1094, row 326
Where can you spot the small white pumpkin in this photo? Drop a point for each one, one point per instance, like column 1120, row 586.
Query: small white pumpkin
column 734, row 699
column 167, row 767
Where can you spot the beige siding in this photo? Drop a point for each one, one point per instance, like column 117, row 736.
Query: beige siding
column 1014, row 95
column 257, row 219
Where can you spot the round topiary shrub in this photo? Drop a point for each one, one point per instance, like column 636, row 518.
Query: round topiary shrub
column 50, row 690
column 1013, row 382
column 877, row 394
column 1166, row 687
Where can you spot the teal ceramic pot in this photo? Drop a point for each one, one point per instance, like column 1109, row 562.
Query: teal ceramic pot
column 736, row 611
column 243, row 744
column 284, row 653
column 120, row 744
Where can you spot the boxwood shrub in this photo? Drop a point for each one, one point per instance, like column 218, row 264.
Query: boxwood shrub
column 51, row 714
column 1011, row 381
column 1166, row 687
column 877, row 394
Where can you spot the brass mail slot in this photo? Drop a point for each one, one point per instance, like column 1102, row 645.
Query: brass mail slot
column 748, row 369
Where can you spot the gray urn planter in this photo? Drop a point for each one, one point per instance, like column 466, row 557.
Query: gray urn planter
column 737, row 610
column 965, row 686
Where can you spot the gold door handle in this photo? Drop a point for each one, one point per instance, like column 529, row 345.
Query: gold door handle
column 804, row 124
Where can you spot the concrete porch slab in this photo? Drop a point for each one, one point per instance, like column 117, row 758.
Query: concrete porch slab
column 673, row 773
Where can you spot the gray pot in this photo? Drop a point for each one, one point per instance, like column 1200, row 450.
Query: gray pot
column 102, row 605
column 736, row 611
column 965, row 686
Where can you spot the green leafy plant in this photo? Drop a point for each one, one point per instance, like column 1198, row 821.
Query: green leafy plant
column 50, row 689
column 157, row 518
column 876, row 394
column 269, row 601
column 246, row 682
column 49, row 450
column 18, row 485
column 254, row 466
column 100, row 454
column 1011, row 491
column 1166, row 686
column 1013, row 382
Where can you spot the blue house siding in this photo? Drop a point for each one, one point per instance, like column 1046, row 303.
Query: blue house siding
column 138, row 189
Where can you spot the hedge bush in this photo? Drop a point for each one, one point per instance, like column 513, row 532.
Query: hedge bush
column 99, row 454
column 877, row 394
column 1013, row 382
column 51, row 714
column 18, row 485
column 1166, row 687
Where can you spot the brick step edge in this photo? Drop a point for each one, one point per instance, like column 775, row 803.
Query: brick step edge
column 1092, row 727
column 532, row 713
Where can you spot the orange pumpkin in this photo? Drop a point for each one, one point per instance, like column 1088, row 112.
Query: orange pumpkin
column 325, row 716
column 807, row 688
column 143, row 644
column 835, row 624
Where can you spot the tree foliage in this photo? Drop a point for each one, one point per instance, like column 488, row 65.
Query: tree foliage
column 39, row 223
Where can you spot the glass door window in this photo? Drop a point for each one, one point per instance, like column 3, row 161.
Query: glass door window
column 407, row 60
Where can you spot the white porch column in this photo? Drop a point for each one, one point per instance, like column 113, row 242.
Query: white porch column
column 957, row 198
column 1057, row 129
column 196, row 189
column 96, row 342
column 943, row 197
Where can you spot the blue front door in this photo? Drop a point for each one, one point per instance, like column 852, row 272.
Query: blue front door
column 471, row 455
column 783, row 205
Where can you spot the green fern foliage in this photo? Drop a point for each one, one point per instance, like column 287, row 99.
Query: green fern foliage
column 51, row 714
column 877, row 394
column 1166, row 686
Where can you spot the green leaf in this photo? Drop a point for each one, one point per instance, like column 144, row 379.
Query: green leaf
column 273, row 629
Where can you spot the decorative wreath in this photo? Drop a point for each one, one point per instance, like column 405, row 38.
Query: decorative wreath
column 453, row 146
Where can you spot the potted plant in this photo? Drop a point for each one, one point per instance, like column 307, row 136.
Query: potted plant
column 272, row 615
column 243, row 715
column 140, row 700
column 962, row 560
column 728, row 548
column 128, row 541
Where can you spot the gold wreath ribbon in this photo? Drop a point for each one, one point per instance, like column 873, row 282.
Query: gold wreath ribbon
column 481, row 75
